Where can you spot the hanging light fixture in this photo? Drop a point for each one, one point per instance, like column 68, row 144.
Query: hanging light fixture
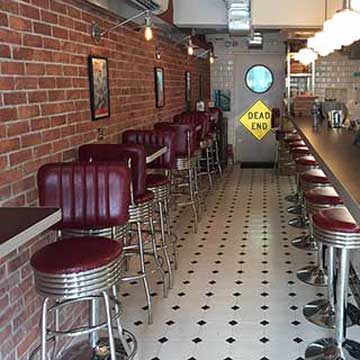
column 306, row 56
column 211, row 57
column 190, row 47
column 148, row 32
column 97, row 34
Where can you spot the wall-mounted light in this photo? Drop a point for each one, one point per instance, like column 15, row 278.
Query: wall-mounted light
column 97, row 34
column 148, row 32
column 204, row 53
column 190, row 47
column 158, row 53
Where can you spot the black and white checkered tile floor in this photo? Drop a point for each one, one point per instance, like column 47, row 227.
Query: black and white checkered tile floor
column 236, row 295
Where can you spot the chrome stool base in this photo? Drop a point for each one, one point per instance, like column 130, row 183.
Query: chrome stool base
column 299, row 222
column 292, row 198
column 319, row 313
column 296, row 209
column 328, row 349
column 312, row 275
column 84, row 351
column 306, row 243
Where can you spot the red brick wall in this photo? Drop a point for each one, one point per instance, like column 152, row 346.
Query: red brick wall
column 44, row 101
column 45, row 116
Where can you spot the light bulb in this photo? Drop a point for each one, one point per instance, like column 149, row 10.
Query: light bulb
column 148, row 33
column 190, row 50
column 211, row 59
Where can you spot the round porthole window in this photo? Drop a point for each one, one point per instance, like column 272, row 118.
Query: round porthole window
column 259, row 79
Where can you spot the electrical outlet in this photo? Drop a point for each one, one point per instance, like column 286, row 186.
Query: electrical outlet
column 100, row 134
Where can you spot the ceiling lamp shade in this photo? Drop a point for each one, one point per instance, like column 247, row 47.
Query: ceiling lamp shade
column 321, row 43
column 306, row 56
column 355, row 5
column 344, row 26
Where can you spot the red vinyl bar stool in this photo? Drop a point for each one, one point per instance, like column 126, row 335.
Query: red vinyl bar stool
column 288, row 139
column 159, row 183
column 316, row 199
column 201, row 121
column 308, row 180
column 185, row 174
column 296, row 152
column 336, row 229
column 282, row 152
column 140, row 209
column 322, row 312
column 304, row 163
column 86, row 268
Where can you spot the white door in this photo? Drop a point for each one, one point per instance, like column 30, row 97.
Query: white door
column 248, row 148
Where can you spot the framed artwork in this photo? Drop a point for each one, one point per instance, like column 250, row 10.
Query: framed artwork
column 159, row 87
column 187, row 86
column 222, row 99
column 99, row 87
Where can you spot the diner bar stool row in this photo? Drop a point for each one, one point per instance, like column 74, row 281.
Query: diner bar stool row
column 115, row 205
column 332, row 233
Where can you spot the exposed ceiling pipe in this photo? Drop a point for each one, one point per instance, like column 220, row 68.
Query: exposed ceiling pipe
column 239, row 17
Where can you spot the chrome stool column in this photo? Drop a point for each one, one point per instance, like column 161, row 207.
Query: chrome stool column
column 309, row 180
column 288, row 139
column 337, row 229
column 317, row 199
column 303, row 164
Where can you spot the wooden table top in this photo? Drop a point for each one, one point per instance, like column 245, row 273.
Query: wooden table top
column 20, row 224
column 153, row 152
column 338, row 157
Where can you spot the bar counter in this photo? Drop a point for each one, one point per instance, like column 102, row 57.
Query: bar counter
column 19, row 225
column 338, row 157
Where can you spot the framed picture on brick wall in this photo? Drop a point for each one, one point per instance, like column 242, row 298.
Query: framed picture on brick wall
column 99, row 87
column 187, row 86
column 159, row 87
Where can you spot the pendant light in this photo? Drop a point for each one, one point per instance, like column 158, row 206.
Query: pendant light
column 148, row 33
column 190, row 47
column 306, row 56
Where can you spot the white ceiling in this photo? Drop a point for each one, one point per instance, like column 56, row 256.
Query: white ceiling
column 270, row 14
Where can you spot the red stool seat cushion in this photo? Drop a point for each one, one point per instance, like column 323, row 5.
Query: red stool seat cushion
column 75, row 255
column 296, row 144
column 146, row 196
column 307, row 160
column 292, row 138
column 302, row 150
column 324, row 196
column 154, row 180
column 314, row 176
column 336, row 220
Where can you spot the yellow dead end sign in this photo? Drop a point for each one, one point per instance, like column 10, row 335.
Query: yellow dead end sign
column 257, row 119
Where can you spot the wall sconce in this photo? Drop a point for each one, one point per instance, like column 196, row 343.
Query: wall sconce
column 190, row 47
column 97, row 34
column 157, row 53
column 211, row 55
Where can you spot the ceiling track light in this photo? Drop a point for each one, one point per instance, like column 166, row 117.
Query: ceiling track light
column 97, row 34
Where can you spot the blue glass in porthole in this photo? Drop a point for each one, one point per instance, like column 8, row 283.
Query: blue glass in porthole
column 259, row 79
